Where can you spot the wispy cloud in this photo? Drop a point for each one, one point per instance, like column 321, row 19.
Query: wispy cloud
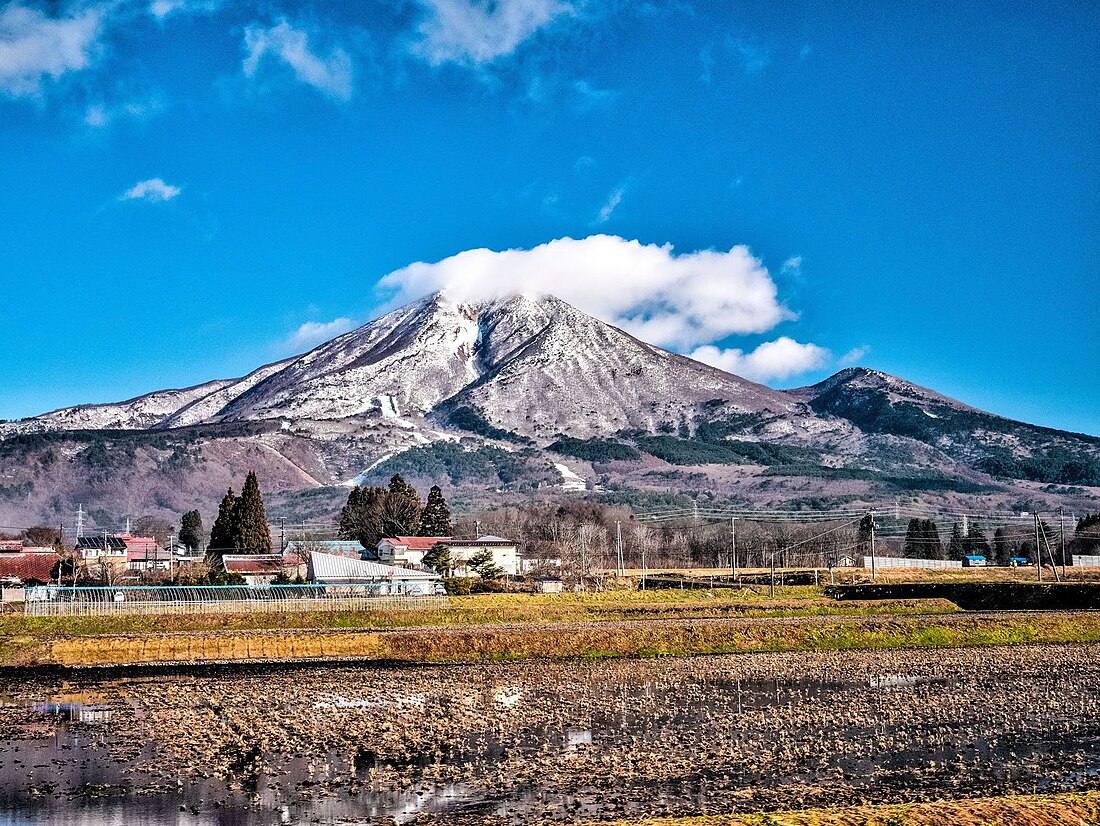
column 161, row 9
column 154, row 190
column 855, row 355
column 478, row 32
column 331, row 75
column 772, row 360
column 672, row 300
column 612, row 203
column 35, row 47
column 312, row 333
column 590, row 97
column 755, row 57
column 101, row 115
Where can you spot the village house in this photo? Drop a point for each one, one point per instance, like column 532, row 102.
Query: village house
column 257, row 569
column 104, row 549
column 505, row 554
column 407, row 551
column 19, row 570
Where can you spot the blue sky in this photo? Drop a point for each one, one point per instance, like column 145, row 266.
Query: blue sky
column 191, row 188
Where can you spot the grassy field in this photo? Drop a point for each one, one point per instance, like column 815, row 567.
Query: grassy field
column 1071, row 809
column 575, row 640
column 485, row 609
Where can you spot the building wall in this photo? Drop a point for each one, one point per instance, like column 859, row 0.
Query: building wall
column 506, row 557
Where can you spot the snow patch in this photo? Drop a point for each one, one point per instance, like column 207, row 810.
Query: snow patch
column 569, row 480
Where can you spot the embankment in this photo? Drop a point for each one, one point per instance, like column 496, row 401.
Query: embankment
column 552, row 640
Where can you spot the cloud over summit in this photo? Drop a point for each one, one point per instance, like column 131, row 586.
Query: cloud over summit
column 674, row 300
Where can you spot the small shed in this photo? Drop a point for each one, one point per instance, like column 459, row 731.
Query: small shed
column 548, row 585
column 974, row 561
column 257, row 569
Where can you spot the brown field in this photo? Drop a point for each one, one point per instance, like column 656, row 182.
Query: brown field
column 1072, row 809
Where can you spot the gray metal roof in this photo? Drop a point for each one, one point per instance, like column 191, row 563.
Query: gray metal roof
column 329, row 566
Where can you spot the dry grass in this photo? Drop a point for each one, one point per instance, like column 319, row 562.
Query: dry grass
column 1071, row 809
column 558, row 640
column 486, row 609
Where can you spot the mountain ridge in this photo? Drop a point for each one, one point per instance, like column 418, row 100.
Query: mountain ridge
column 501, row 394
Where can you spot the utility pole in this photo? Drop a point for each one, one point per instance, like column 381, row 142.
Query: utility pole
column 1062, row 538
column 620, row 565
column 874, row 570
column 643, row 566
column 282, row 536
column 733, row 548
column 1038, row 549
column 771, row 590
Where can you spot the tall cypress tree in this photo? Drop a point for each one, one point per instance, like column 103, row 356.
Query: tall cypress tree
column 436, row 518
column 401, row 509
column 956, row 546
column 914, row 539
column 975, row 542
column 191, row 533
column 361, row 516
column 1002, row 547
column 223, row 536
column 930, row 539
column 254, row 535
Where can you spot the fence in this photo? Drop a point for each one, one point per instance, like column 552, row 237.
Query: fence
column 903, row 562
column 226, row 599
column 1080, row 561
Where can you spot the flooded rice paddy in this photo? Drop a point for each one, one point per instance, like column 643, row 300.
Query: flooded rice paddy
column 546, row 741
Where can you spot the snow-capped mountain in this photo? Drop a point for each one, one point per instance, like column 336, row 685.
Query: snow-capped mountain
column 533, row 365
column 525, row 393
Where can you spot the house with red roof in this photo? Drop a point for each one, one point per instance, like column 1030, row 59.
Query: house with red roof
column 407, row 551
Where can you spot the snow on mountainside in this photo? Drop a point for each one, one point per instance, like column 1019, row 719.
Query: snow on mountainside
column 533, row 365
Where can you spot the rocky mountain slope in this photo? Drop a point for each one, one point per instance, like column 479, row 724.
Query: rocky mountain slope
column 522, row 393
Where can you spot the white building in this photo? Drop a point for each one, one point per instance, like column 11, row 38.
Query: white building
column 505, row 554
column 407, row 551
column 330, row 569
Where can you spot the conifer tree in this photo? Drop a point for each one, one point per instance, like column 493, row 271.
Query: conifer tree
column 253, row 533
column 1002, row 547
column 930, row 539
column 361, row 516
column 436, row 517
column 956, row 546
column 191, row 534
column 975, row 542
column 483, row 565
column 914, row 539
column 401, row 509
column 439, row 559
column 223, row 536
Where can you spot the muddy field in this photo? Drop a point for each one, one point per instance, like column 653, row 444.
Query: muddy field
column 524, row 742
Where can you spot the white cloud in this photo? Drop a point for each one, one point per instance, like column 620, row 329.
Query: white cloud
column 153, row 190
column 161, row 9
column 779, row 359
column 331, row 75
column 754, row 57
column 855, row 355
column 101, row 115
column 34, row 46
column 592, row 97
column 613, row 201
column 477, row 32
column 312, row 333
column 668, row 299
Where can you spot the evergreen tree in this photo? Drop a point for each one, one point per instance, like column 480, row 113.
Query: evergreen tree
column 975, row 543
column 436, row 517
column 439, row 559
column 401, row 509
column 223, row 536
column 483, row 565
column 253, row 533
column 956, row 546
column 191, row 534
column 930, row 539
column 361, row 516
column 1002, row 547
column 864, row 534
column 914, row 539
